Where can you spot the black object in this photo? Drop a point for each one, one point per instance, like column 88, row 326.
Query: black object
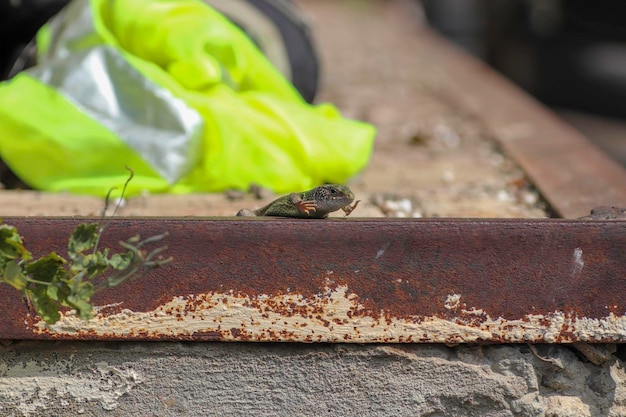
column 292, row 34
column 568, row 54
column 19, row 22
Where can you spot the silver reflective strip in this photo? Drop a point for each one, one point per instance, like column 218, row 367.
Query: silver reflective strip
column 160, row 127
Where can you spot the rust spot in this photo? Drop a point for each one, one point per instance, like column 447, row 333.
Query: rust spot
column 208, row 336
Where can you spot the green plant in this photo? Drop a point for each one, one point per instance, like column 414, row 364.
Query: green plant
column 51, row 282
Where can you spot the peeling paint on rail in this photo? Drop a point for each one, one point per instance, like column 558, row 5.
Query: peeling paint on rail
column 328, row 317
column 427, row 280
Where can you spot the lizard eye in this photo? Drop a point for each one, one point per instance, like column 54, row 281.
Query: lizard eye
column 333, row 191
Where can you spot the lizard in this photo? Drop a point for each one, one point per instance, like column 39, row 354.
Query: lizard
column 312, row 204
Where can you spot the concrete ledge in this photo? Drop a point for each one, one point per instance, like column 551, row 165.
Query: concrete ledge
column 216, row 379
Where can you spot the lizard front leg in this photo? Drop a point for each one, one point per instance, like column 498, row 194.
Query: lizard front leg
column 350, row 208
column 303, row 206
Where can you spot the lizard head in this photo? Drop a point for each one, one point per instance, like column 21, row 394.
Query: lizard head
column 331, row 197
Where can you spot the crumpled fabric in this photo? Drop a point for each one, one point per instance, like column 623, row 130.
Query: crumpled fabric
column 173, row 90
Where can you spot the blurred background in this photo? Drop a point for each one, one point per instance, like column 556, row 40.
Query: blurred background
column 569, row 54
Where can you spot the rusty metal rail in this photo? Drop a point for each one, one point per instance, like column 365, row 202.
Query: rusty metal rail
column 371, row 280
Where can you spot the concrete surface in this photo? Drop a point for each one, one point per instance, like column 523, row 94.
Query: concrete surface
column 224, row 379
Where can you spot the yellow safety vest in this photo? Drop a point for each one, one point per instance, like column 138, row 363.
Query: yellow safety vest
column 175, row 91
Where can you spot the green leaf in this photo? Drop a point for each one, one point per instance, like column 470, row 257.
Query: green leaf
column 44, row 305
column 91, row 265
column 80, row 297
column 121, row 261
column 59, row 291
column 48, row 268
column 134, row 239
column 83, row 238
column 11, row 245
column 14, row 276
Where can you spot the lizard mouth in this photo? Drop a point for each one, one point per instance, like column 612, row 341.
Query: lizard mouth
column 348, row 197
